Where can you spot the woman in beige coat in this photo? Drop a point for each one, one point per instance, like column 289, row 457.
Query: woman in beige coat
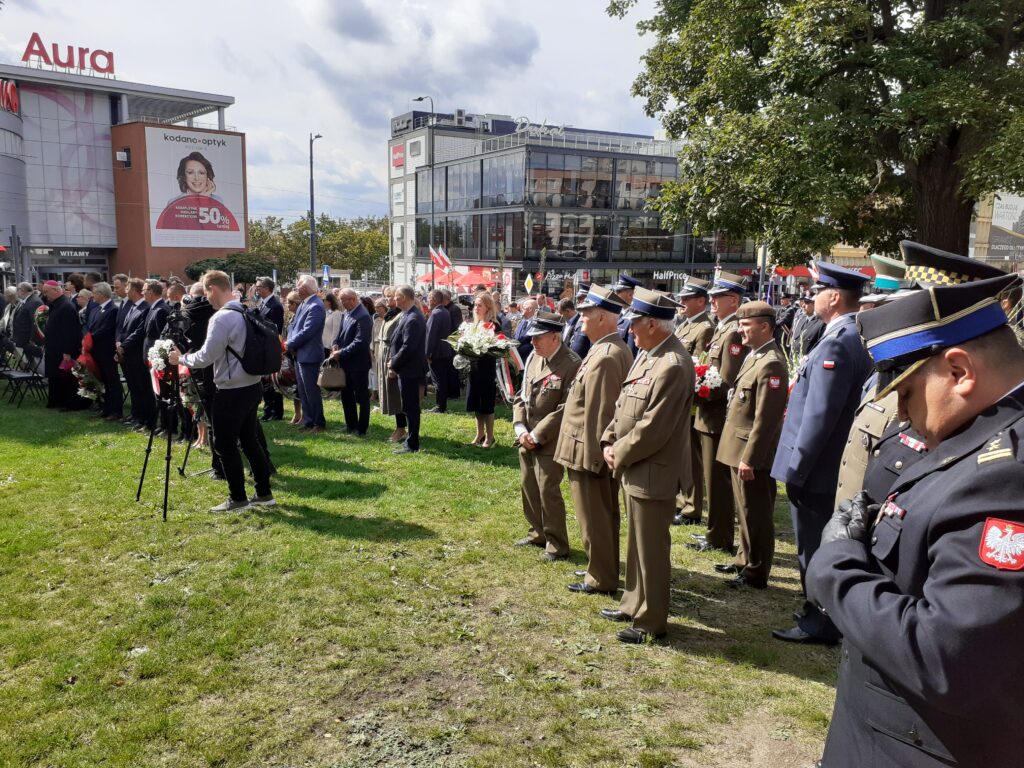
column 390, row 397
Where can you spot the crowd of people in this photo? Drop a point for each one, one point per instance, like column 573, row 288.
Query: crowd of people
column 894, row 420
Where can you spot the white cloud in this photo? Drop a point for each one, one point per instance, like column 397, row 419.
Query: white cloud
column 343, row 67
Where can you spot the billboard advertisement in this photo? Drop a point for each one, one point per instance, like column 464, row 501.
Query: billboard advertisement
column 196, row 189
column 1006, row 239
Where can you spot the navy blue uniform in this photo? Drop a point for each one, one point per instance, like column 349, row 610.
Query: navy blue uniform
column 574, row 338
column 822, row 405
column 623, row 327
column 932, row 610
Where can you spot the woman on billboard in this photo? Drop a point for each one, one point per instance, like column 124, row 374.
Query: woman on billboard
column 197, row 208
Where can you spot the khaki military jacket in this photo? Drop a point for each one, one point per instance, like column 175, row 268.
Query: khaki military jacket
column 651, row 429
column 726, row 352
column 754, row 417
column 590, row 404
column 538, row 403
column 696, row 333
column 871, row 420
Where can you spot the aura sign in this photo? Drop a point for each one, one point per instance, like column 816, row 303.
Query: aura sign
column 68, row 56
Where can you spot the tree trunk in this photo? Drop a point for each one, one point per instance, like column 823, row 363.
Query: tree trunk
column 942, row 217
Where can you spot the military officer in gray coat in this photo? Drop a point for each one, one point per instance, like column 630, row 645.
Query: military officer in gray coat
column 927, row 583
column 822, row 404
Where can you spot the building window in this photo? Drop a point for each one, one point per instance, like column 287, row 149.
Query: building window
column 558, row 180
column 423, row 189
column 416, row 148
column 464, row 186
column 504, row 180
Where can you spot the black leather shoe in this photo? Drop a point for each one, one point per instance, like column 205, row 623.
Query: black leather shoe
column 585, row 589
column 681, row 519
column 797, row 635
column 635, row 636
column 551, row 557
column 527, row 542
column 579, row 574
column 703, row 546
column 742, row 581
column 730, row 568
column 614, row 614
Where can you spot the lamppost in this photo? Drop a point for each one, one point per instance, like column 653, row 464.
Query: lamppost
column 430, row 164
column 312, row 215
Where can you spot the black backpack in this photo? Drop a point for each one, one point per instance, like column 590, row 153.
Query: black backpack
column 262, row 353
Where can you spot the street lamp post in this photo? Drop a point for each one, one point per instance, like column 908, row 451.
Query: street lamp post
column 312, row 214
column 430, row 133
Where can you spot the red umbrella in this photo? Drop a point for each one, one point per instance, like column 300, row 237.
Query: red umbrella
column 475, row 276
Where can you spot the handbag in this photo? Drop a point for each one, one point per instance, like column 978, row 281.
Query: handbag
column 332, row 376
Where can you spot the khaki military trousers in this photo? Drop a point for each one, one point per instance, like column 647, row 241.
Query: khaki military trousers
column 596, row 500
column 718, row 487
column 755, row 503
column 691, row 502
column 648, row 562
column 542, row 501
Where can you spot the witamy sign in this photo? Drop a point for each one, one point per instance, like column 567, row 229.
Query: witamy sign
column 523, row 125
column 68, row 56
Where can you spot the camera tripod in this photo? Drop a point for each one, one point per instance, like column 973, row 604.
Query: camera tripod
column 171, row 404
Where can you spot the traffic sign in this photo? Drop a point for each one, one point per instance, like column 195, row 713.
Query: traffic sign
column 529, row 283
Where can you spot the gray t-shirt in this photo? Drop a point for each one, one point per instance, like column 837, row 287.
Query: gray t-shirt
column 227, row 328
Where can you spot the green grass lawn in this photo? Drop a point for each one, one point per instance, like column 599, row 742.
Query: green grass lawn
column 379, row 617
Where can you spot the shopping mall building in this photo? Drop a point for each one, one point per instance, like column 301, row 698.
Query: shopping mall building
column 98, row 174
column 483, row 186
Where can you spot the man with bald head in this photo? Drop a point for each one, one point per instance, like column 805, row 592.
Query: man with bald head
column 522, row 333
column 305, row 344
column 352, row 349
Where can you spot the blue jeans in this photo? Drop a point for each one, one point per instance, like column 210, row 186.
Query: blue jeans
column 309, row 393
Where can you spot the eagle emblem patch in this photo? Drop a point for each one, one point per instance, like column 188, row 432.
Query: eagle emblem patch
column 774, row 382
column 735, row 349
column 1002, row 544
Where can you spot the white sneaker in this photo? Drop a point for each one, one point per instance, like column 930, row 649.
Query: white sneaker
column 231, row 506
column 263, row 501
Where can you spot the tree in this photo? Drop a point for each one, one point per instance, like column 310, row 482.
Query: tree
column 812, row 122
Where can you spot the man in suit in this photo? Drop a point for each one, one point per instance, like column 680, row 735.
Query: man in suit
column 270, row 307
column 439, row 352
column 821, row 408
column 63, row 344
column 23, row 324
column 352, row 349
column 537, row 420
column 624, row 289
column 455, row 313
column 305, row 344
column 573, row 336
column 695, row 331
column 409, row 363
column 749, row 439
column 103, row 326
column 156, row 320
column 89, row 280
column 926, row 581
column 522, row 332
column 726, row 353
column 646, row 446
column 130, row 354
column 807, row 328
column 589, row 408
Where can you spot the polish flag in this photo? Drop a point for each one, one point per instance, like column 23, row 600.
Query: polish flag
column 440, row 260
column 444, row 257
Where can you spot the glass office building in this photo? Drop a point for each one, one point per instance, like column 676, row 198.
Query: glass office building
column 487, row 186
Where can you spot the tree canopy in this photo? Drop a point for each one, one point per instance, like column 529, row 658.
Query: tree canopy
column 813, row 122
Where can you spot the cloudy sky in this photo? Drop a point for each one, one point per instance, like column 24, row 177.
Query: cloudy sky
column 342, row 68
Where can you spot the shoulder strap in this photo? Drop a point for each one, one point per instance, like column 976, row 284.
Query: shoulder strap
column 228, row 346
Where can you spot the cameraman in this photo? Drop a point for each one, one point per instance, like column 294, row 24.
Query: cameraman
column 237, row 397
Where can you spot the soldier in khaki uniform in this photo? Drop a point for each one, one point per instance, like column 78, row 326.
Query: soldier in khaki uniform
column 646, row 446
column 537, row 419
column 726, row 352
column 589, row 408
column 749, row 440
column 695, row 332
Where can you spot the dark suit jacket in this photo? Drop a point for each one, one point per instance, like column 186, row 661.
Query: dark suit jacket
column 408, row 345
column 123, row 305
column 133, row 332
column 525, row 345
column 439, row 328
column 91, row 309
column 63, row 334
column 574, row 337
column 23, row 331
column 273, row 310
column 353, row 339
column 103, row 325
column 305, row 334
column 155, row 322
column 455, row 312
